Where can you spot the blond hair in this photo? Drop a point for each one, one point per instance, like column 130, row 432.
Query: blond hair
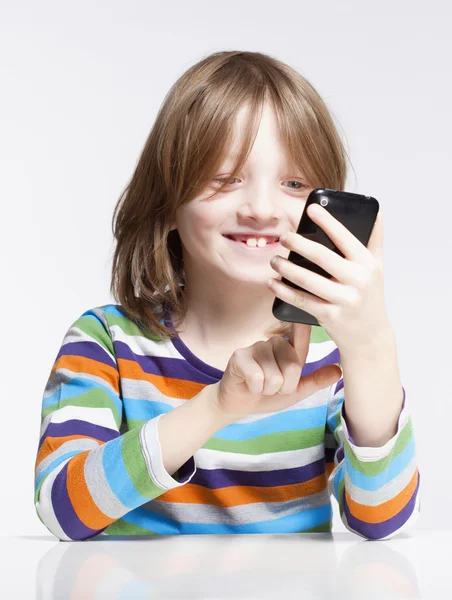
column 188, row 142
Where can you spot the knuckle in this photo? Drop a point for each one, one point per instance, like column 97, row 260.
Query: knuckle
column 332, row 313
column 276, row 380
column 352, row 299
column 255, row 376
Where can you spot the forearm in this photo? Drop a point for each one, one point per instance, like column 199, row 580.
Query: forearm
column 185, row 429
column 372, row 391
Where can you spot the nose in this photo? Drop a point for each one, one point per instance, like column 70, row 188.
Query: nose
column 260, row 204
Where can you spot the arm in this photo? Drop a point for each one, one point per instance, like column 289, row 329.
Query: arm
column 88, row 475
column 377, row 488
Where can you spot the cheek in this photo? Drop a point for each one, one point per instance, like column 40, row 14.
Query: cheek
column 196, row 229
column 294, row 219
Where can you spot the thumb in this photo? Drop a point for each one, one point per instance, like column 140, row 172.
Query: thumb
column 299, row 338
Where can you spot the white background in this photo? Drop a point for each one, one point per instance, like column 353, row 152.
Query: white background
column 81, row 85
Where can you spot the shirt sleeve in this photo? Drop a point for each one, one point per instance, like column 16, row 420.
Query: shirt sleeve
column 377, row 489
column 88, row 474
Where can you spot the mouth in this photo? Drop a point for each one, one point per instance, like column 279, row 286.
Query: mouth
column 252, row 246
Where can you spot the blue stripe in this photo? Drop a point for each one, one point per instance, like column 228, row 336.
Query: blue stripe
column 164, row 526
column 143, row 410
column 293, row 420
column 372, row 483
column 112, row 309
column 117, row 476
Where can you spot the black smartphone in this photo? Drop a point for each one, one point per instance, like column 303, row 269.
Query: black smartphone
column 355, row 211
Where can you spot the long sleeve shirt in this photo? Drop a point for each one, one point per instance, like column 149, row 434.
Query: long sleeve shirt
column 99, row 467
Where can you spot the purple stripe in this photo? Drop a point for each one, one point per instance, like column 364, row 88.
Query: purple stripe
column 64, row 512
column 221, row 478
column 171, row 368
column 186, row 470
column 77, row 427
column 375, row 531
column 339, row 384
column 87, row 350
column 176, row 368
column 340, row 454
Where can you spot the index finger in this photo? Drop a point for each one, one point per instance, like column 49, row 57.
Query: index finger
column 299, row 338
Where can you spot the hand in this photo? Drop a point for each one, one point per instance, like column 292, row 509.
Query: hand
column 266, row 377
column 350, row 306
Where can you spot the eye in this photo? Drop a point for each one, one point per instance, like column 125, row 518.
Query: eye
column 230, row 180
column 299, row 183
column 225, row 180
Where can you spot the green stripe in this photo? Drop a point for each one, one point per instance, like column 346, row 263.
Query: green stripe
column 95, row 329
column 377, row 467
column 135, row 464
column 341, row 492
column 94, row 398
column 272, row 442
column 121, row 527
column 323, row 528
column 38, row 489
column 319, row 335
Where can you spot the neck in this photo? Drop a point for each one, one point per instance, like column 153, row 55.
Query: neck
column 229, row 320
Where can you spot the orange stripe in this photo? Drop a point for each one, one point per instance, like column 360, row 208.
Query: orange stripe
column 82, row 502
column 51, row 444
column 169, row 386
column 242, row 494
column 81, row 364
column 386, row 510
column 329, row 467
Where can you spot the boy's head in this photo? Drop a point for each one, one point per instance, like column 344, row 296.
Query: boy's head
column 243, row 115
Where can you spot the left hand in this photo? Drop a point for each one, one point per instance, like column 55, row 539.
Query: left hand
column 350, row 306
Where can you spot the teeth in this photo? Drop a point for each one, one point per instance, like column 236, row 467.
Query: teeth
column 261, row 242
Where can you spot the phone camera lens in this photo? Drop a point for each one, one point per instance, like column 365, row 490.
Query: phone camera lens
column 323, row 201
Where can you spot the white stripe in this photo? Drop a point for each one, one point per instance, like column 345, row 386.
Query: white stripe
column 152, row 452
column 94, row 415
column 143, row 346
column 270, row 461
column 372, row 454
column 44, row 505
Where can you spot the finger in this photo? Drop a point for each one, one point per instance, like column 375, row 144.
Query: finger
column 288, row 363
column 318, row 380
column 264, row 355
column 375, row 243
column 299, row 338
column 244, row 369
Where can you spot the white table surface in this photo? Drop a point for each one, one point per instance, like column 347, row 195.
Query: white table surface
column 302, row 566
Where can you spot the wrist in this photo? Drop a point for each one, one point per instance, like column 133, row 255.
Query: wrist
column 369, row 348
column 209, row 398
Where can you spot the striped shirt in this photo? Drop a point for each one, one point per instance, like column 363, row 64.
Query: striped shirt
column 99, row 468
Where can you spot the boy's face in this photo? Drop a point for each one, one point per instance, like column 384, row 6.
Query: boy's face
column 267, row 197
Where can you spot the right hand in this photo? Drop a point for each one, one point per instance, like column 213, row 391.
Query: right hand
column 266, row 377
